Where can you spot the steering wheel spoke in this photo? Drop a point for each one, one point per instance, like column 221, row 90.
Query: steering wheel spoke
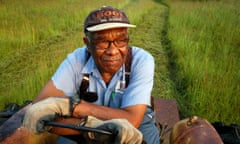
column 87, row 132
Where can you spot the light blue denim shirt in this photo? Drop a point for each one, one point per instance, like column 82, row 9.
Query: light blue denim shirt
column 68, row 78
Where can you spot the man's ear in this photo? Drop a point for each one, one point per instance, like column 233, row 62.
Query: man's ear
column 87, row 43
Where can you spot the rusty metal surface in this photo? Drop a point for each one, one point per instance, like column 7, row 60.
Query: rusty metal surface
column 14, row 122
column 194, row 130
column 166, row 114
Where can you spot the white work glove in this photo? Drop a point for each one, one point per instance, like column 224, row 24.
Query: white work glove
column 125, row 132
column 45, row 110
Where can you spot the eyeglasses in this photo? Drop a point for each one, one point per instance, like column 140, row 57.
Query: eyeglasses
column 104, row 44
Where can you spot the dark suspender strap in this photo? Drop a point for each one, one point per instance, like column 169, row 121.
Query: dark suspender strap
column 85, row 81
column 84, row 85
column 128, row 64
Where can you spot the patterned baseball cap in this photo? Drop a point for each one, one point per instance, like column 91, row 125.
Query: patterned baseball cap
column 106, row 17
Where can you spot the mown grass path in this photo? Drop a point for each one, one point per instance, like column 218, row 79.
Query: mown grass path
column 149, row 35
column 23, row 72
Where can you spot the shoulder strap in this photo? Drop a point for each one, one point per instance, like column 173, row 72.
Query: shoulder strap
column 128, row 64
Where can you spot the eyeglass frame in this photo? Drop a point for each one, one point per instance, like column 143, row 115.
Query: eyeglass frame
column 108, row 43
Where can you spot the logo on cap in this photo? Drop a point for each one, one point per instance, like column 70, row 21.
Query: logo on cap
column 105, row 18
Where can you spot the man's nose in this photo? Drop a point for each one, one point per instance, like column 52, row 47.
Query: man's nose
column 112, row 49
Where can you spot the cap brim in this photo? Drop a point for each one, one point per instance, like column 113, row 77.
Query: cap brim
column 105, row 26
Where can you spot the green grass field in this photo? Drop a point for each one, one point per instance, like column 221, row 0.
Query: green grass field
column 205, row 43
column 195, row 45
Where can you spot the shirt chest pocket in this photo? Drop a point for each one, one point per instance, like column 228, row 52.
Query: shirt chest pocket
column 116, row 99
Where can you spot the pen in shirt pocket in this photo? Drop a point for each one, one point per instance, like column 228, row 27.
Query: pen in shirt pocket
column 112, row 94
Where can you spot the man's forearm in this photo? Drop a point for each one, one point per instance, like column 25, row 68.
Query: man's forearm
column 134, row 114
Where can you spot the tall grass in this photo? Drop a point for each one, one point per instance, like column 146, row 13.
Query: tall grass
column 205, row 40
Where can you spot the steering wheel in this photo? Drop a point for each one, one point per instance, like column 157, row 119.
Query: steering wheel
column 88, row 132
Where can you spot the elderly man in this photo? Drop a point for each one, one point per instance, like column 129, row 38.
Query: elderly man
column 111, row 79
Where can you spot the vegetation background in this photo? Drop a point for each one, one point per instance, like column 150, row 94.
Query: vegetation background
column 196, row 45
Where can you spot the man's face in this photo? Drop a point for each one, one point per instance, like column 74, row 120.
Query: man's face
column 109, row 49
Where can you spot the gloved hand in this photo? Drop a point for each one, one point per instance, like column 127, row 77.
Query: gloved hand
column 45, row 110
column 125, row 132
